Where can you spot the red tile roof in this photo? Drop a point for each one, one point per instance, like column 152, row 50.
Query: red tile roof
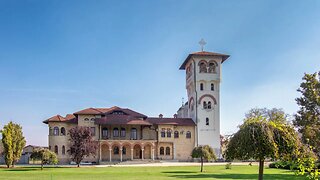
column 70, row 118
column 203, row 53
column 172, row 121
column 121, row 119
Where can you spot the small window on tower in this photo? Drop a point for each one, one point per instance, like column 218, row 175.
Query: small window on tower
column 201, row 86
column 209, row 105
column 207, row 121
column 205, row 105
column 212, row 87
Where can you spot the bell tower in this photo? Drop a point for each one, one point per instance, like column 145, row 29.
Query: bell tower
column 203, row 77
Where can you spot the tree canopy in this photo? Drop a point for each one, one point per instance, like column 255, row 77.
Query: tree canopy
column 13, row 143
column 45, row 156
column 260, row 138
column 204, row 153
column 307, row 119
column 82, row 144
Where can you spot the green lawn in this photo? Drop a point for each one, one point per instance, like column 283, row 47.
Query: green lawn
column 188, row 172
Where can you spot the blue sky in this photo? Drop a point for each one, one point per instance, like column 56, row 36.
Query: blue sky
column 57, row 57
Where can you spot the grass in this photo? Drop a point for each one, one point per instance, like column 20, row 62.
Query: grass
column 187, row 172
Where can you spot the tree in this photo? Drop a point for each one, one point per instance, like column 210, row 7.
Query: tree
column 307, row 119
column 260, row 138
column 45, row 156
column 204, row 153
column 82, row 144
column 13, row 143
column 274, row 114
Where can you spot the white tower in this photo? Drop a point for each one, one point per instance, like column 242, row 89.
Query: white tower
column 203, row 77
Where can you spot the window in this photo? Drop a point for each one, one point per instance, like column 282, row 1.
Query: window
column 167, row 151
column 207, row 121
column 86, row 119
column 56, row 131
column 63, row 131
column 201, row 86
column 123, row 132
column 176, row 134
column 93, row 131
column 209, row 105
column 161, row 150
column 63, row 150
column 212, row 68
column 134, row 133
column 163, row 133
column 115, row 132
column 56, row 149
column 92, row 119
column 169, row 133
column 212, row 87
column 50, row 131
column 116, row 150
column 202, row 67
column 188, row 134
column 105, row 133
column 124, row 150
column 205, row 105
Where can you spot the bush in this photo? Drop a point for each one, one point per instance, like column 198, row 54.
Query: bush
column 284, row 165
column 228, row 165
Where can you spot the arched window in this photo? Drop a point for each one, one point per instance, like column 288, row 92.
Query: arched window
column 212, row 67
column 207, row 121
column 201, row 86
column 105, row 133
column 161, row 150
column 116, row 150
column 212, row 87
column 188, row 134
column 167, row 151
column 176, row 134
column 56, row 131
column 205, row 105
column 163, row 133
column 202, row 67
column 123, row 132
column 86, row 119
column 92, row 119
column 169, row 133
column 115, row 132
column 63, row 150
column 63, row 131
column 124, row 150
column 134, row 133
column 56, row 150
column 209, row 104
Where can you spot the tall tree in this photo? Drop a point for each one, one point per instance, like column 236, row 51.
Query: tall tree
column 13, row 143
column 45, row 156
column 82, row 144
column 307, row 119
column 259, row 138
column 204, row 153
column 274, row 114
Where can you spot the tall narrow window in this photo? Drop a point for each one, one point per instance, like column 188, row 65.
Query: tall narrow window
column 93, row 131
column 167, row 151
column 116, row 150
column 201, row 86
column 56, row 150
column 212, row 68
column 176, row 134
column 56, row 131
column 163, row 133
column 209, row 105
column 124, row 150
column 123, row 132
column 212, row 87
column 63, row 150
column 134, row 133
column 105, row 133
column 205, row 105
column 63, row 131
column 207, row 121
column 188, row 134
column 115, row 132
column 202, row 67
column 161, row 150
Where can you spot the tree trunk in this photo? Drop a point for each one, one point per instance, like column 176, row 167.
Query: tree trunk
column 261, row 164
column 201, row 164
column 41, row 166
column 78, row 164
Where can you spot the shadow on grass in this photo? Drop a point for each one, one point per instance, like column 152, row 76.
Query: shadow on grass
column 188, row 175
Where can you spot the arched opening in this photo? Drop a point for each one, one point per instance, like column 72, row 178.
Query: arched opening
column 133, row 134
column 56, row 150
column 212, row 87
column 176, row 134
column 123, row 132
column 161, row 151
column 212, row 67
column 169, row 133
column 115, row 132
column 63, row 150
column 207, row 121
column 56, row 131
column 137, row 152
column 104, row 133
column 105, row 152
column 147, row 151
column 205, row 106
column 167, row 151
column 201, row 87
column 202, row 66
column 209, row 104
column 63, row 131
column 126, row 152
column 188, row 134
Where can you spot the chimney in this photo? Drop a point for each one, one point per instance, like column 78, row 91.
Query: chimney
column 175, row 116
column 160, row 116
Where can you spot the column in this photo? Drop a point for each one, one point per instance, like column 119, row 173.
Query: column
column 131, row 154
column 120, row 151
column 174, row 151
column 100, row 151
column 110, row 151
column 142, row 152
column 152, row 152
